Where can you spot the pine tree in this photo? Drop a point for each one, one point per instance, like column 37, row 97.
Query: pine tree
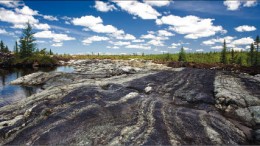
column 51, row 52
column 257, row 42
column 6, row 49
column 27, row 45
column 182, row 55
column 232, row 56
column 16, row 48
column 252, row 55
column 2, row 46
column 223, row 57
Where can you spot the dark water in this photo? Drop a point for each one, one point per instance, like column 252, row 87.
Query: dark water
column 12, row 93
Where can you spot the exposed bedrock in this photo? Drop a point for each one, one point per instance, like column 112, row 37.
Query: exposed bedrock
column 168, row 107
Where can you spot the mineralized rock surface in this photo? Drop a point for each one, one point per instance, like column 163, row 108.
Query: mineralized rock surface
column 134, row 103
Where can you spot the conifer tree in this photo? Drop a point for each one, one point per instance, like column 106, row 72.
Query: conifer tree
column 2, row 46
column 223, row 57
column 27, row 45
column 182, row 55
column 16, row 48
column 252, row 55
column 257, row 42
column 232, row 56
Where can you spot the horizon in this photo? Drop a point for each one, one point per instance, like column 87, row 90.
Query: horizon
column 127, row 27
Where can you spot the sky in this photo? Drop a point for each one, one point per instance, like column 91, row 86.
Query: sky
column 126, row 27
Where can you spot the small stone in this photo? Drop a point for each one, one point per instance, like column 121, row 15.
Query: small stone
column 148, row 89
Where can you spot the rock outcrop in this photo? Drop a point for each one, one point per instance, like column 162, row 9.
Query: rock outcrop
column 130, row 106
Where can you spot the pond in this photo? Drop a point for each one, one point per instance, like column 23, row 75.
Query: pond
column 12, row 93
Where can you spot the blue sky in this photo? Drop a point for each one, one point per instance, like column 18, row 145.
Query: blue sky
column 126, row 27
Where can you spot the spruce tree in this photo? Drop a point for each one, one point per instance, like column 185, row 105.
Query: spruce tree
column 232, row 56
column 27, row 45
column 16, row 48
column 6, row 49
column 252, row 55
column 257, row 42
column 223, row 57
column 2, row 46
column 182, row 55
column 51, row 52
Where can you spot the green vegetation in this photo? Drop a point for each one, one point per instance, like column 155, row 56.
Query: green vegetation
column 182, row 55
column 3, row 48
column 223, row 57
column 25, row 53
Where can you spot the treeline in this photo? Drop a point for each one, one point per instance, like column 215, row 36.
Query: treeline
column 26, row 53
column 3, row 48
column 250, row 58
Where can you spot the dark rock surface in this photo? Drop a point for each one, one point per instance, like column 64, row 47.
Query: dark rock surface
column 167, row 107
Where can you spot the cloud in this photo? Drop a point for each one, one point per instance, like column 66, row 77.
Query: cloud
column 187, row 49
column 139, row 9
column 57, row 44
column 120, row 43
column 158, row 3
column 199, row 50
column 50, row 18
column 210, row 42
column 138, row 47
column 138, row 41
column 156, row 43
column 15, row 18
column 114, row 47
column 104, row 7
column 231, row 43
column 165, row 33
column 3, row 31
column 41, row 26
column 250, row 3
column 55, row 36
column 233, row 5
column 10, row 3
column 89, row 40
column 243, row 41
column 217, row 47
column 148, row 36
column 124, row 36
column 96, row 24
column 192, row 26
column 21, row 17
column 175, row 45
column 26, row 11
column 244, row 28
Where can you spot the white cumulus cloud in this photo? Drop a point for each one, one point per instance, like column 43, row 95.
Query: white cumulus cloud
column 243, row 41
column 192, row 27
column 233, row 5
column 3, row 31
column 158, row 3
column 89, row 40
column 26, row 11
column 52, row 35
column 104, row 7
column 10, row 3
column 244, row 28
column 139, row 46
column 57, row 44
column 165, row 33
column 50, row 18
column 142, row 10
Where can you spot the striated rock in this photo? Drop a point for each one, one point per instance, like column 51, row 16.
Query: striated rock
column 141, row 107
